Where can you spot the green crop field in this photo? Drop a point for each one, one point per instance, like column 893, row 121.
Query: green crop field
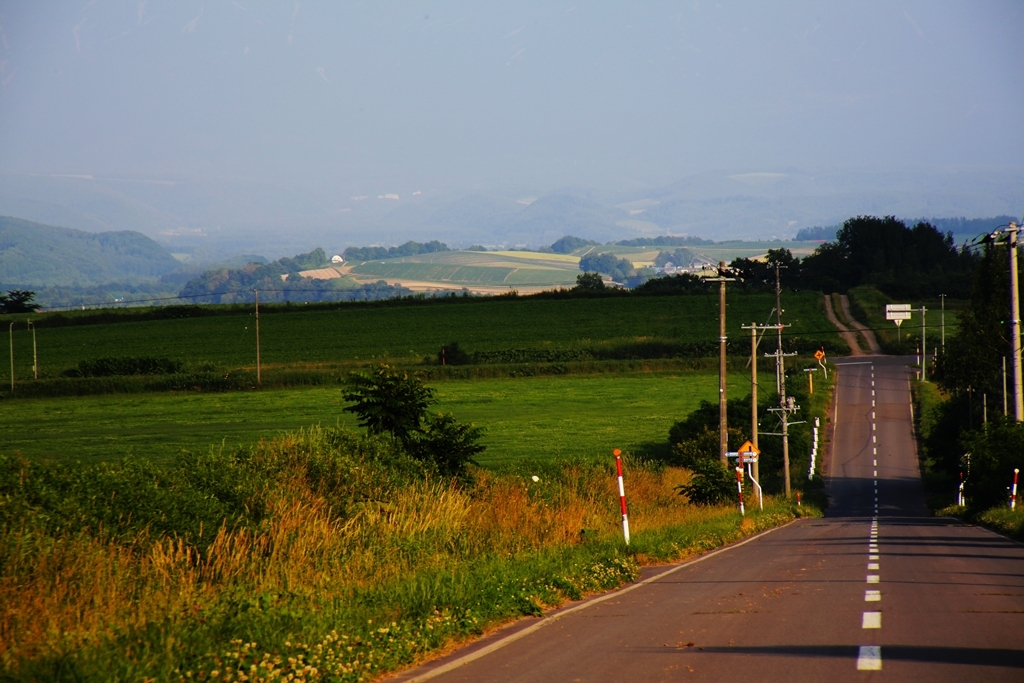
column 450, row 274
column 408, row 331
column 530, row 418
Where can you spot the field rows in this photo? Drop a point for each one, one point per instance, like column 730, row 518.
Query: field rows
column 414, row 330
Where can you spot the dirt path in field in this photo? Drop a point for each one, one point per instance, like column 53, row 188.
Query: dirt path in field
column 844, row 331
column 869, row 335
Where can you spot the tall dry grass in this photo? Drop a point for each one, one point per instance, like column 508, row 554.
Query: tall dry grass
column 319, row 541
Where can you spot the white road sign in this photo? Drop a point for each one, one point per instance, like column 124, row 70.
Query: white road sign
column 897, row 312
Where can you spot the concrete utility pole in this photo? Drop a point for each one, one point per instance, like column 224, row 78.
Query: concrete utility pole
column 782, row 380
column 258, row 378
column 754, row 327
column 924, row 349
column 35, row 354
column 942, row 322
column 1018, row 400
column 723, row 431
column 12, row 357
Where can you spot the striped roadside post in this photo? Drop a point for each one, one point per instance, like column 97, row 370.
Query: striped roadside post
column 622, row 495
column 1013, row 494
column 739, row 486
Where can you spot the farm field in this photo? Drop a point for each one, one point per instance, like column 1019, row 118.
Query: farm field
column 542, row 418
column 409, row 331
column 528, row 270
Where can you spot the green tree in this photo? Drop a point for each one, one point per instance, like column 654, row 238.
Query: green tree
column 18, row 301
column 589, row 282
column 387, row 400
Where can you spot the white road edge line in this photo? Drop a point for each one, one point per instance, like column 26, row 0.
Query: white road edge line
column 544, row 621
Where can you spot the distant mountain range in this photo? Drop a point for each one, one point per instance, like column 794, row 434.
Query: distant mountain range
column 222, row 220
column 36, row 255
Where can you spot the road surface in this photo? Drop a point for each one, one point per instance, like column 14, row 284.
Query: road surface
column 878, row 590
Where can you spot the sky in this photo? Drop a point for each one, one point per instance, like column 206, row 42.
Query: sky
column 393, row 96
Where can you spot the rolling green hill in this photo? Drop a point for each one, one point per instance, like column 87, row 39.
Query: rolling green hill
column 37, row 255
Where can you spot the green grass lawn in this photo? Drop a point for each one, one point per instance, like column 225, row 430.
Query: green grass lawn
column 412, row 330
column 541, row 418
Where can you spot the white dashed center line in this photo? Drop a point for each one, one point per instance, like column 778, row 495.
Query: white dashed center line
column 871, row 620
column 872, row 596
column 869, row 658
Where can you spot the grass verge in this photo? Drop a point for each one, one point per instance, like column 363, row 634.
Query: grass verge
column 321, row 555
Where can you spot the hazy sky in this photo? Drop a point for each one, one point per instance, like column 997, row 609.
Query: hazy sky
column 464, row 94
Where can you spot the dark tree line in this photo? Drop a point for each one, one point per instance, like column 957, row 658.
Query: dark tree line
column 970, row 373
column 410, row 248
column 901, row 261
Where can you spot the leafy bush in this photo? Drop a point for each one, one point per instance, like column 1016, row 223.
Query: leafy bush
column 451, row 354
column 712, row 483
column 446, row 444
column 129, row 365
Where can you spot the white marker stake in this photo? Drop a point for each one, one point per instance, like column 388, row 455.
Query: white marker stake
column 739, row 486
column 1013, row 494
column 622, row 495
column 869, row 658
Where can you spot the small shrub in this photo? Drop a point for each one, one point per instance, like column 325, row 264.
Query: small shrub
column 446, row 444
column 712, row 483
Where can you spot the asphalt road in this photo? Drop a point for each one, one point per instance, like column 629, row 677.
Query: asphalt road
column 878, row 590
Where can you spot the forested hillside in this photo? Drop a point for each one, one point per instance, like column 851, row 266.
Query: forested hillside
column 37, row 255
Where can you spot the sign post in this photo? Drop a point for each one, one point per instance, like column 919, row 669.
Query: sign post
column 897, row 313
column 747, row 455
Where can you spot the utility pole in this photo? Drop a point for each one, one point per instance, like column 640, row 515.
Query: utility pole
column 781, row 369
column 1005, row 411
column 942, row 320
column 723, row 432
column 753, row 388
column 35, row 354
column 924, row 349
column 754, row 327
column 12, row 358
column 1018, row 400
column 258, row 379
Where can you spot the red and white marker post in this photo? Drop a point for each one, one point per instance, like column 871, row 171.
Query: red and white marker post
column 739, row 486
column 1013, row 493
column 622, row 495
